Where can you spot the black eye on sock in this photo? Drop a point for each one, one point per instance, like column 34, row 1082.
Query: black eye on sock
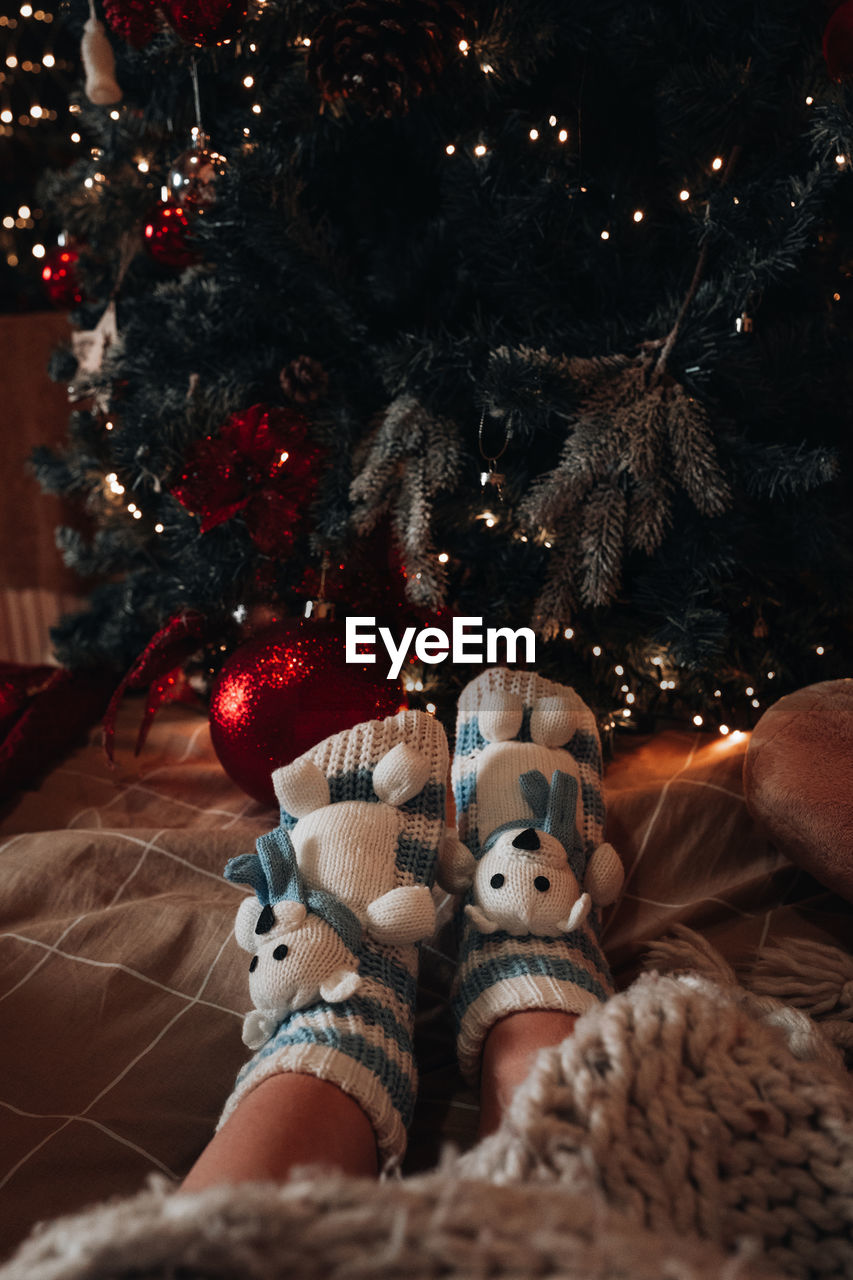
column 526, row 839
column 253, row 965
column 266, row 920
column 542, row 883
column 497, row 880
column 280, row 952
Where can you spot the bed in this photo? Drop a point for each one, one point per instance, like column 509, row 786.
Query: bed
column 122, row 991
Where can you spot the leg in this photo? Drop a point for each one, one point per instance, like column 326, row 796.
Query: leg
column 342, row 895
column 508, row 1052
column 288, row 1121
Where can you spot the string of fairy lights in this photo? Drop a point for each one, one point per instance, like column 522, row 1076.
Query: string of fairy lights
column 654, row 673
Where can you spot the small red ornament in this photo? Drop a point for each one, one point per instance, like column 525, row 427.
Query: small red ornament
column 166, row 236
column 60, row 277
column 285, row 690
column 202, row 22
column 838, row 42
column 136, row 21
column 263, row 466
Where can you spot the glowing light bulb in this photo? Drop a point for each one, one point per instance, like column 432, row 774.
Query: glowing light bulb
column 840, row 160
column 630, row 697
column 547, row 544
column 26, row 11
column 131, row 506
column 626, row 711
column 158, row 528
column 11, row 61
column 533, row 135
column 717, row 163
column 256, row 109
column 624, row 688
column 8, row 222
column 596, row 649
column 684, row 195
column 486, row 68
column 463, row 46
column 563, row 135
column 450, row 149
column 820, row 651
column 284, row 456
column 48, row 60
column 306, row 41
column 569, row 633
column 443, row 557
column 88, row 182
column 755, row 702
column 36, row 112
column 749, row 691
column 697, row 720
column 114, row 115
column 479, row 150
column 552, row 120
column 620, row 670
column 38, row 250
column 430, row 706
column 75, row 137
column 718, row 693
column 137, row 515
column 490, row 522
column 24, row 211
column 809, row 101
column 724, row 729
column 6, row 116
column 638, row 215
column 108, row 426
column 771, row 675
column 248, row 81
column 605, row 235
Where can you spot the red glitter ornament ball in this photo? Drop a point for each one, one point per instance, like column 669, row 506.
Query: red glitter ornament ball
column 202, row 22
column 282, row 692
column 60, row 277
column 838, row 42
column 166, row 235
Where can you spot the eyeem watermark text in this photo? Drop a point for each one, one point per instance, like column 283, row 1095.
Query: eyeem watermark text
column 468, row 643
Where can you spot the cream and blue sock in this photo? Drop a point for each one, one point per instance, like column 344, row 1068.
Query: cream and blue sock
column 342, row 899
column 527, row 780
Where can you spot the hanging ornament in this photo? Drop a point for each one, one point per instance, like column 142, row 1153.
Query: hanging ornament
column 838, row 42
column 205, row 22
column 192, row 179
column 282, row 692
column 166, row 236
column 744, row 323
column 262, row 466
column 304, row 381
column 494, row 478
column 60, row 275
column 99, row 62
column 382, row 54
column 136, row 21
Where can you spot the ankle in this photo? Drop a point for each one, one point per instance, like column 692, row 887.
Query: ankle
column 508, row 1054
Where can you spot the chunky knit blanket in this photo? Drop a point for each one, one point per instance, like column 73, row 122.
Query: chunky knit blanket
column 689, row 1128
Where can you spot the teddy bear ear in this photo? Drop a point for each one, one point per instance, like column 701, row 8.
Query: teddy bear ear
column 244, row 925
column 553, row 721
column 301, row 788
column 456, row 864
column 500, row 716
column 400, row 774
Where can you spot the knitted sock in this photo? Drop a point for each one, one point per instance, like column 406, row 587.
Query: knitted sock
column 342, row 897
column 527, row 783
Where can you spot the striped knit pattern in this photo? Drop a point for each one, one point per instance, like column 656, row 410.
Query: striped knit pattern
column 499, row 974
column 364, row 1044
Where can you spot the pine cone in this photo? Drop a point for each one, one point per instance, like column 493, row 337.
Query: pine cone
column 383, row 53
column 304, row 380
column 136, row 21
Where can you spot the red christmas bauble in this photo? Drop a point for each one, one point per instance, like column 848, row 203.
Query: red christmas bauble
column 60, row 277
column 202, row 22
column 283, row 691
column 838, row 42
column 166, row 234
column 136, row 21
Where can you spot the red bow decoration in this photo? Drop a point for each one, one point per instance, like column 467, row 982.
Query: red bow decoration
column 262, row 466
column 160, row 667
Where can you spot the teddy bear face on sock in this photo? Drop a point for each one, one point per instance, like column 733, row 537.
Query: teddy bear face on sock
column 349, row 848
column 524, row 885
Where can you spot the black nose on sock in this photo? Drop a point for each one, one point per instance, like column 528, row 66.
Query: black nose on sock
column 266, row 920
column 526, row 839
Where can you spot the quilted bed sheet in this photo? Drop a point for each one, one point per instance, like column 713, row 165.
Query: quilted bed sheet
column 122, row 991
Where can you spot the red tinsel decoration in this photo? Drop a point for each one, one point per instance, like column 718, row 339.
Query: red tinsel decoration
column 263, row 466
column 285, row 690
column 838, row 42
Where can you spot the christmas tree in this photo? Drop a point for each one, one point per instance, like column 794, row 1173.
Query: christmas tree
column 532, row 312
